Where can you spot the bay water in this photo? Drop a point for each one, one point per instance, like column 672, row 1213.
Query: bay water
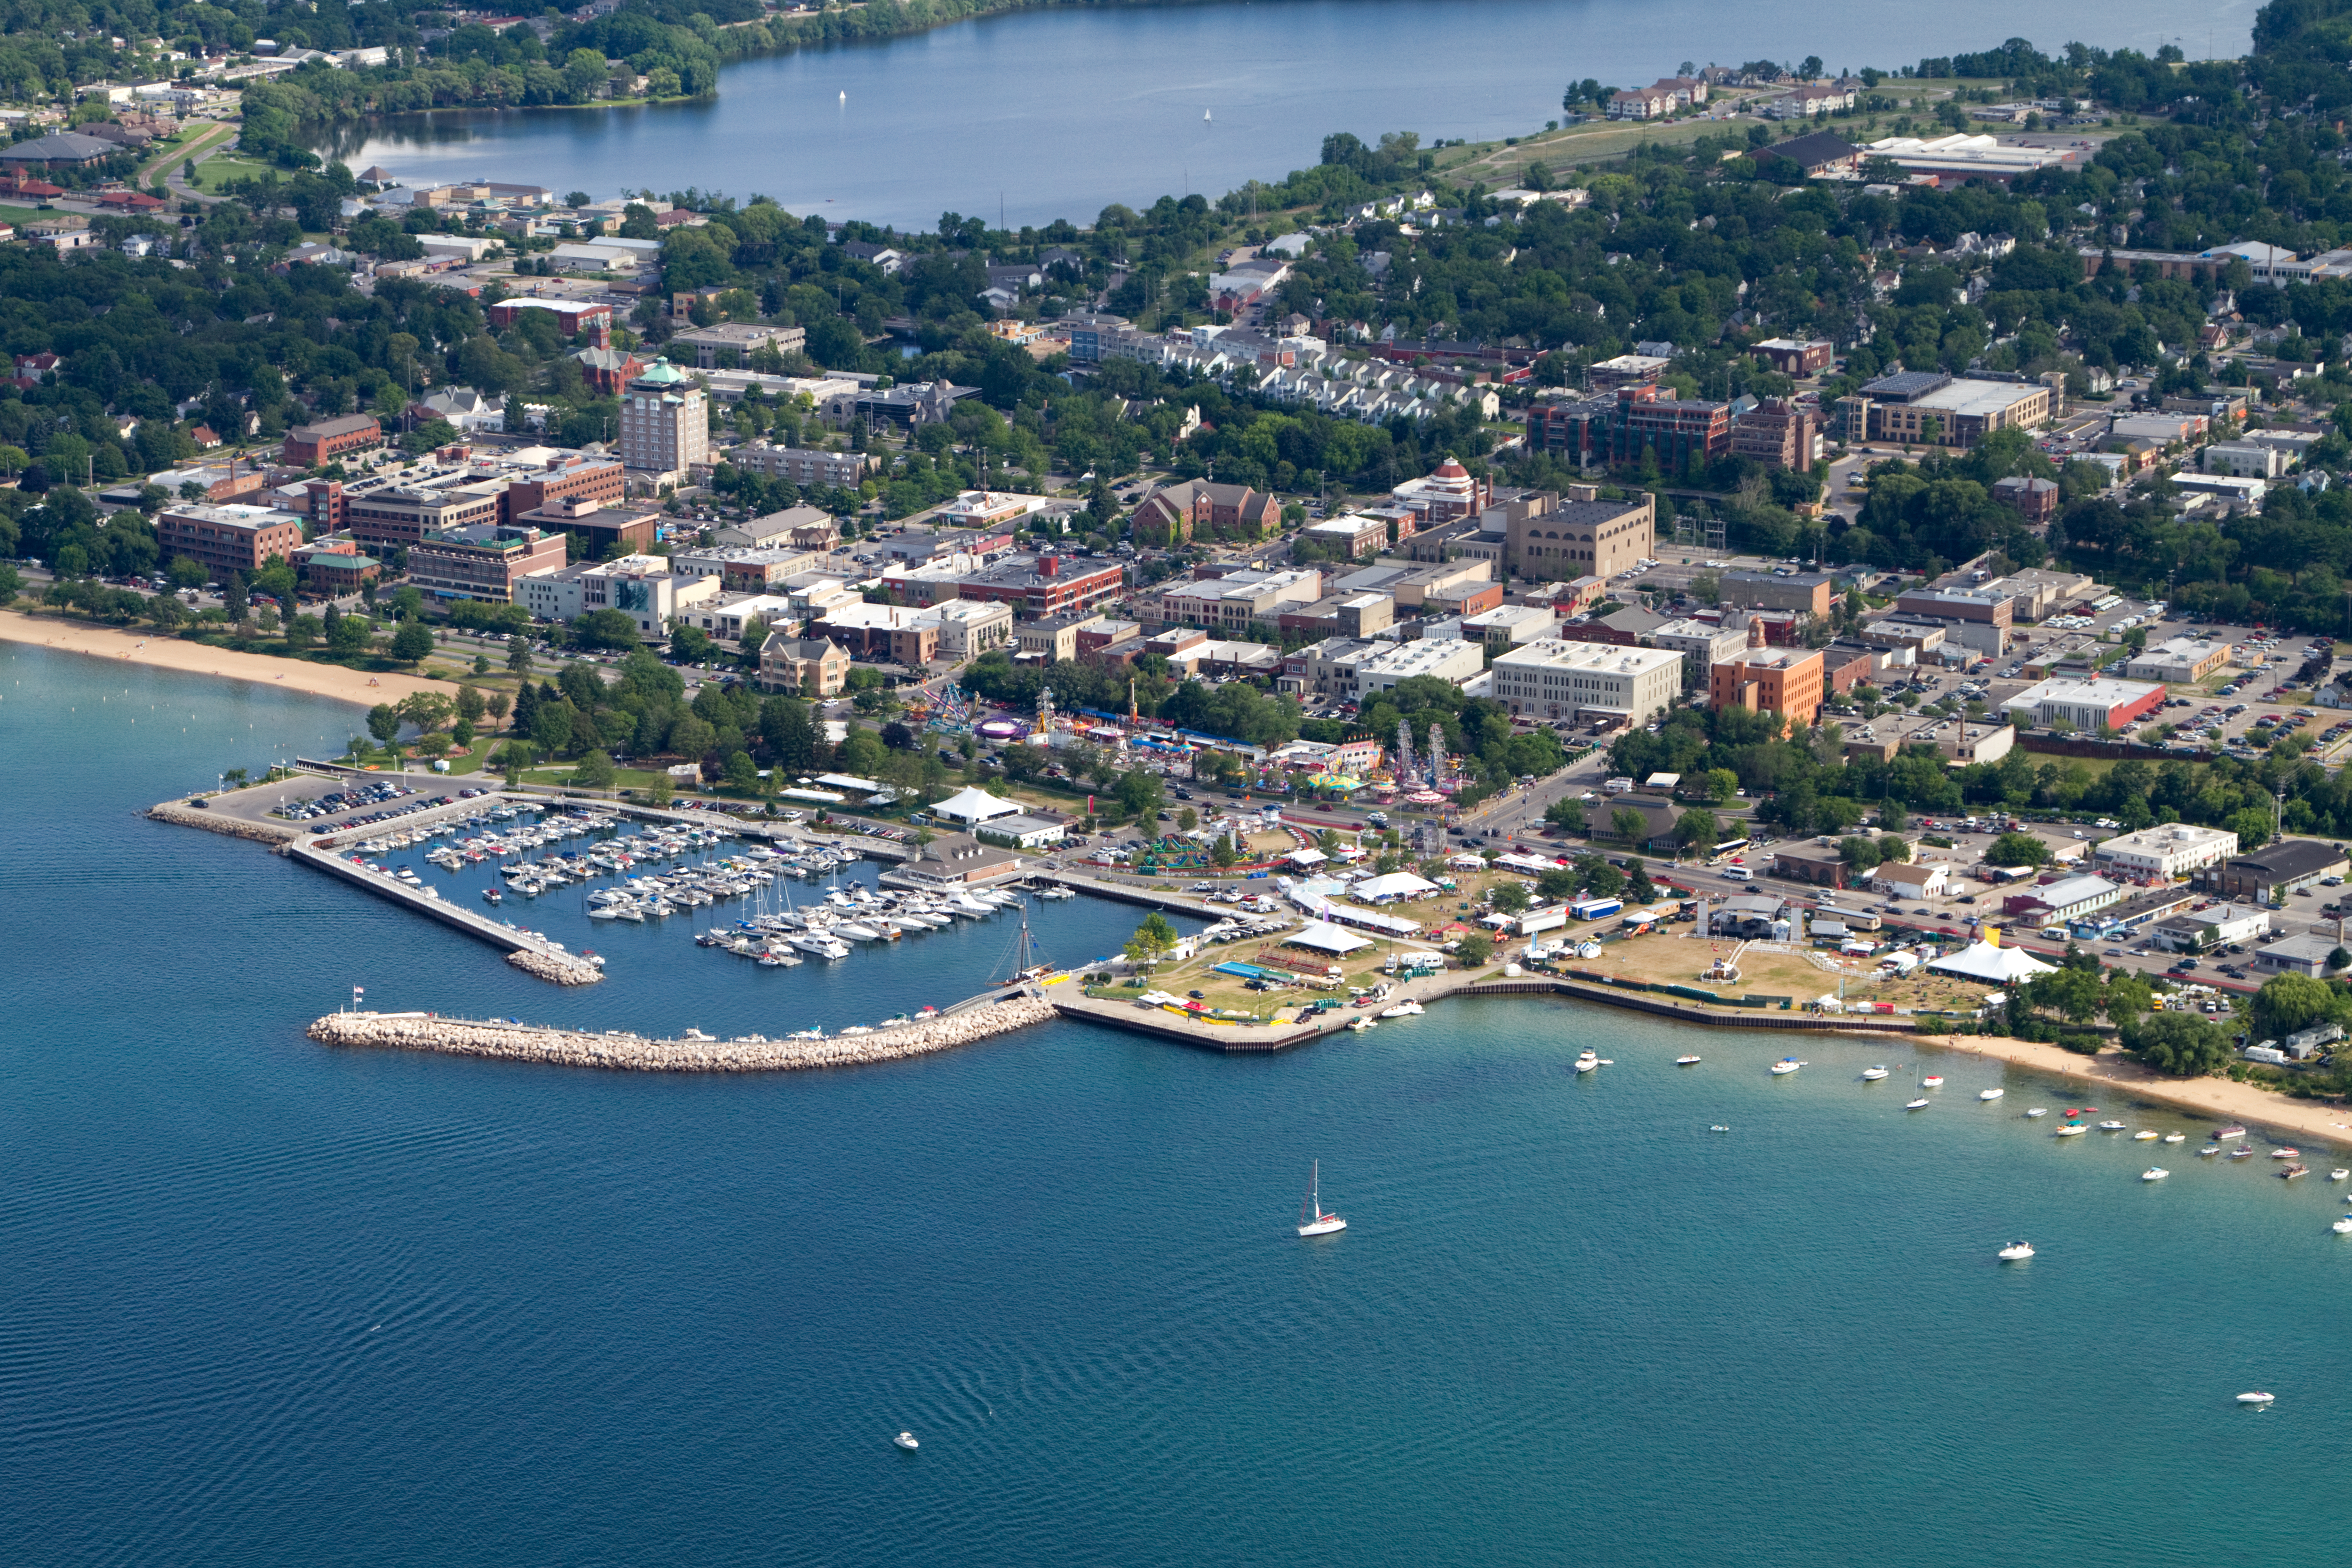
column 268, row 1303
column 1057, row 113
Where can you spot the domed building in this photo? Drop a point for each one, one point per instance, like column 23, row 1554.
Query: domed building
column 664, row 424
column 1444, row 495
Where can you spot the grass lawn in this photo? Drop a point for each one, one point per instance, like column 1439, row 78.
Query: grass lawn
column 1680, row 958
column 23, row 215
column 216, row 171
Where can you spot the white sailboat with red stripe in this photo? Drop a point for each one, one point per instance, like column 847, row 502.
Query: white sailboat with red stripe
column 1312, row 1219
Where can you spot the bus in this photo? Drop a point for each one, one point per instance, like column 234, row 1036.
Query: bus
column 1729, row 846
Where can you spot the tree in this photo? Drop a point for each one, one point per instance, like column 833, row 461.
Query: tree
column 2073, row 993
column 1153, row 940
column 384, row 723
column 2019, row 849
column 1222, row 854
column 1697, row 829
column 1187, row 820
column 1566, row 814
column 742, row 775
column 518, row 654
column 497, row 703
column 2183, row 1044
column 595, row 770
column 1718, row 784
column 2253, row 826
column 608, row 628
column 471, row 703
column 1629, row 825
column 514, row 759
column 412, row 642
column 2288, row 1004
column 1557, row 884
column 428, row 710
column 1510, row 898
column 1472, row 951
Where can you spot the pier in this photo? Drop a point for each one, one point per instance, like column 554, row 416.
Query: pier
column 977, row 1018
column 531, row 954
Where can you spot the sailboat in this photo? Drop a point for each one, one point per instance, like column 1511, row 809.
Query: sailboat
column 1204, row 115
column 1312, row 1220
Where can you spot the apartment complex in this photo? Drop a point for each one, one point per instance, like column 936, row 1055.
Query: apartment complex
column 1931, row 407
column 1617, row 430
column 802, row 466
column 813, row 667
column 227, row 538
column 481, row 561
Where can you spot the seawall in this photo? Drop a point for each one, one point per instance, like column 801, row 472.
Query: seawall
column 623, row 1052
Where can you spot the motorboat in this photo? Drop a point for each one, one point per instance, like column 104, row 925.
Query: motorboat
column 2072, row 1129
column 818, row 944
column 1919, row 1104
column 1685, row 1061
column 1991, row 1093
column 2111, row 1126
column 1718, row 1127
column 2285, row 1154
column 1933, row 1080
column 2208, row 1151
column 2230, row 1133
column 2343, row 1227
column 907, row 1440
column 2339, row 1173
column 2145, row 1135
column 1588, row 1061
column 1871, row 1074
column 2154, row 1173
column 1313, row 1218
column 2038, row 1112
column 2176, row 1137
column 1359, row 1025
column 1786, row 1066
column 1405, row 1009
column 2016, row 1252
column 2292, row 1172
column 2241, row 1153
column 2257, row 1398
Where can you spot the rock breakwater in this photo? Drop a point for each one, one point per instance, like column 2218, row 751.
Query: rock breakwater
column 553, row 966
column 637, row 1053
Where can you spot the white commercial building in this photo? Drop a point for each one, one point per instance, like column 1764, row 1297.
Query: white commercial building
column 1550, row 678
column 1700, row 643
column 2245, row 459
column 2180, row 661
column 1450, row 660
column 2072, row 898
column 1510, row 625
column 2084, row 704
column 2167, row 852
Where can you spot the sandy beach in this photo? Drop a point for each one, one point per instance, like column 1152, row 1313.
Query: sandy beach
column 171, row 653
column 2120, row 1075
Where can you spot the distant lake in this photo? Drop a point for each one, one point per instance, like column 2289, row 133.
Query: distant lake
column 1059, row 114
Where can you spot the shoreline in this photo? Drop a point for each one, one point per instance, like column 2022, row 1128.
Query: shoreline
column 156, row 651
column 2223, row 1099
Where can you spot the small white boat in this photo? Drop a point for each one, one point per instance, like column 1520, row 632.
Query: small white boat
column 2231, row 1132
column 907, row 1440
column 2154, row 1173
column 1871, row 1074
column 1920, row 1104
column 2016, row 1252
column 1359, row 1025
column 2339, row 1173
column 2343, row 1227
column 2257, row 1398
column 2111, row 1126
column 2176, row 1137
column 1933, row 1080
column 2208, row 1151
column 1312, row 1218
column 2145, row 1135
column 2072, row 1129
column 1588, row 1062
column 1786, row 1066
column 2038, row 1111
column 1991, row 1093
column 2284, row 1154
column 1718, row 1127
column 1685, row 1061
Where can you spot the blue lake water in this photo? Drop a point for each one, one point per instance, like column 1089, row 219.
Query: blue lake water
column 271, row 1304
column 1059, row 114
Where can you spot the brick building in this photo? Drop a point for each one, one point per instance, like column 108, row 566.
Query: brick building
column 308, row 446
column 1618, row 429
column 1783, row 681
column 1778, row 434
column 229, row 538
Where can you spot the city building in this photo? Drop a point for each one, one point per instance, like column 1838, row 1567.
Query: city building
column 230, row 537
column 812, row 667
column 1783, row 681
column 553, row 476
column 1578, row 681
column 1054, row 639
column 334, row 566
column 2172, row 850
column 1583, row 536
column 805, row 466
column 732, row 344
column 801, row 528
column 1994, row 609
column 2273, row 872
column 1779, row 434
column 1176, row 514
column 742, row 570
column 1353, row 535
column 604, row 530
column 1385, row 664
column 2306, row 955
column 1931, row 407
column 2246, row 460
column 1234, row 602
column 1701, row 644
column 1510, row 625
column 664, row 426
column 1792, row 357
column 481, row 560
column 309, row 445
column 1820, row 155
column 2036, row 500
column 1446, row 493
column 1805, row 594
column 2181, row 661
column 1618, row 430
column 1032, row 585
column 2201, row 931
column 393, row 512
column 2068, row 898
column 2086, row 705
column 572, row 317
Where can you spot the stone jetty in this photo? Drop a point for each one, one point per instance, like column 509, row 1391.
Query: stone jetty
column 561, row 969
column 636, row 1053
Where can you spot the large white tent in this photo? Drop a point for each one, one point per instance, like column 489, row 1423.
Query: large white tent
column 1992, row 963
column 974, row 805
column 1325, row 937
column 1395, row 885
